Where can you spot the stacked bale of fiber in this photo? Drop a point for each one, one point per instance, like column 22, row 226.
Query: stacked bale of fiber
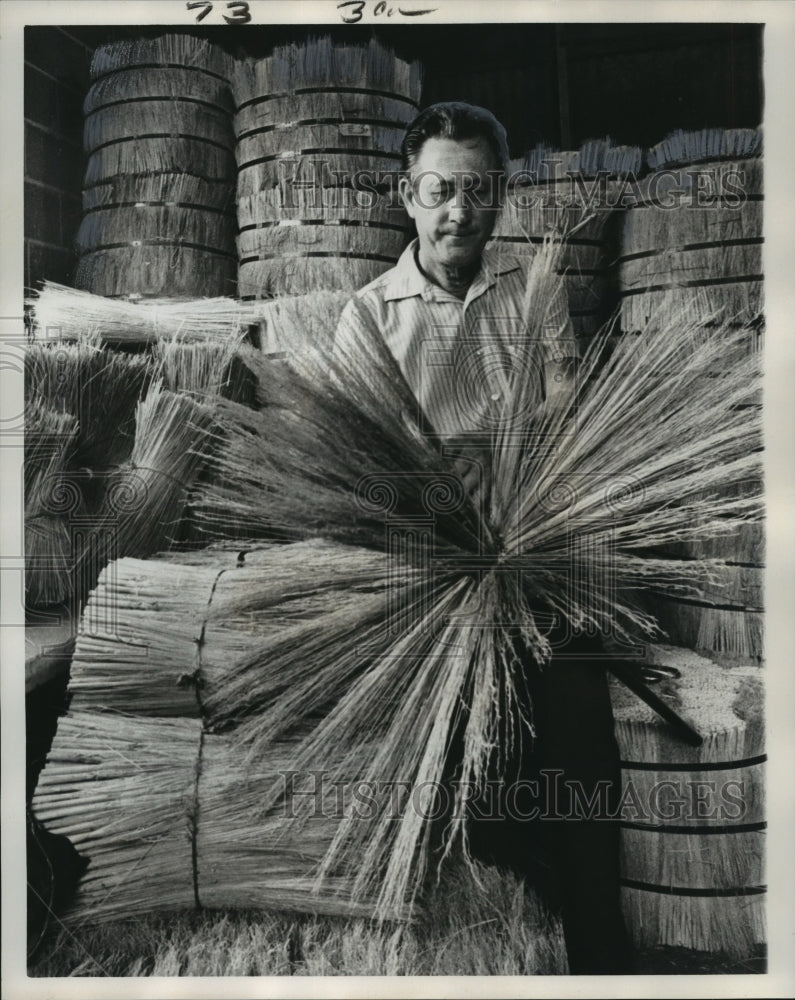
column 159, row 186
column 140, row 776
column 691, row 248
column 319, row 128
column 573, row 196
column 691, row 243
column 693, row 829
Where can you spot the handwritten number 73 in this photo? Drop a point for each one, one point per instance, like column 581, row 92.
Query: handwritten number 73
column 239, row 8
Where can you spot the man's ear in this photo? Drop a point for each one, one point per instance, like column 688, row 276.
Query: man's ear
column 406, row 193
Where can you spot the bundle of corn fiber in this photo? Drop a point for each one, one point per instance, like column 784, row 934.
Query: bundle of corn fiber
column 319, row 127
column 691, row 246
column 691, row 243
column 159, row 186
column 79, row 425
column 642, row 456
column 114, row 443
column 693, row 866
column 60, row 313
column 572, row 196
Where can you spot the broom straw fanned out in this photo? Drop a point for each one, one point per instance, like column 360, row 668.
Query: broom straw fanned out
column 637, row 451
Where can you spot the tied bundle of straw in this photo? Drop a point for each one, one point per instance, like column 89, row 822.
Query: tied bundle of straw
column 311, row 120
column 569, row 195
column 170, row 821
column 158, row 134
column 691, row 242
column 155, row 641
column 60, row 313
column 154, row 629
column 578, row 498
column 693, row 825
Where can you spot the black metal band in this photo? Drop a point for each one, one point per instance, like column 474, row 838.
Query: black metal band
column 711, row 765
column 339, row 254
column 327, row 90
column 392, row 226
column 163, row 135
column 109, row 206
column 686, row 247
column 683, row 890
column 695, row 283
column 166, row 244
column 338, row 150
column 135, row 66
column 286, row 126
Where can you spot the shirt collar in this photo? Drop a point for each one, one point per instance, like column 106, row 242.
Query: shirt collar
column 406, row 280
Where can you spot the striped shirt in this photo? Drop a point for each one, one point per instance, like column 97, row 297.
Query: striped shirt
column 456, row 354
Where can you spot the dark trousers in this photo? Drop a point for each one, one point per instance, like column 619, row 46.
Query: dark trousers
column 544, row 814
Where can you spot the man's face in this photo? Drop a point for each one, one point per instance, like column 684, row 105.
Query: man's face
column 452, row 195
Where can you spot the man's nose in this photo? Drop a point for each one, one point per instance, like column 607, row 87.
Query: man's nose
column 460, row 210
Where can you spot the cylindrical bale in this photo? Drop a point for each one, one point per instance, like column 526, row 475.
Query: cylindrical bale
column 725, row 619
column 693, row 818
column 320, row 113
column 161, row 269
column 691, row 250
column 160, row 144
column 319, row 128
column 691, row 246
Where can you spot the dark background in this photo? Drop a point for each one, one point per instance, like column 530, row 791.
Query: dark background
column 560, row 84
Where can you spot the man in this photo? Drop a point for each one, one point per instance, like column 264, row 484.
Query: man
column 449, row 312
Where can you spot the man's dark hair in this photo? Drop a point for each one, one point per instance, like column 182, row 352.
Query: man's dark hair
column 454, row 120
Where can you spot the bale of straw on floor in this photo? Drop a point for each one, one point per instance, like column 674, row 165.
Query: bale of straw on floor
column 169, row 820
column 693, row 857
